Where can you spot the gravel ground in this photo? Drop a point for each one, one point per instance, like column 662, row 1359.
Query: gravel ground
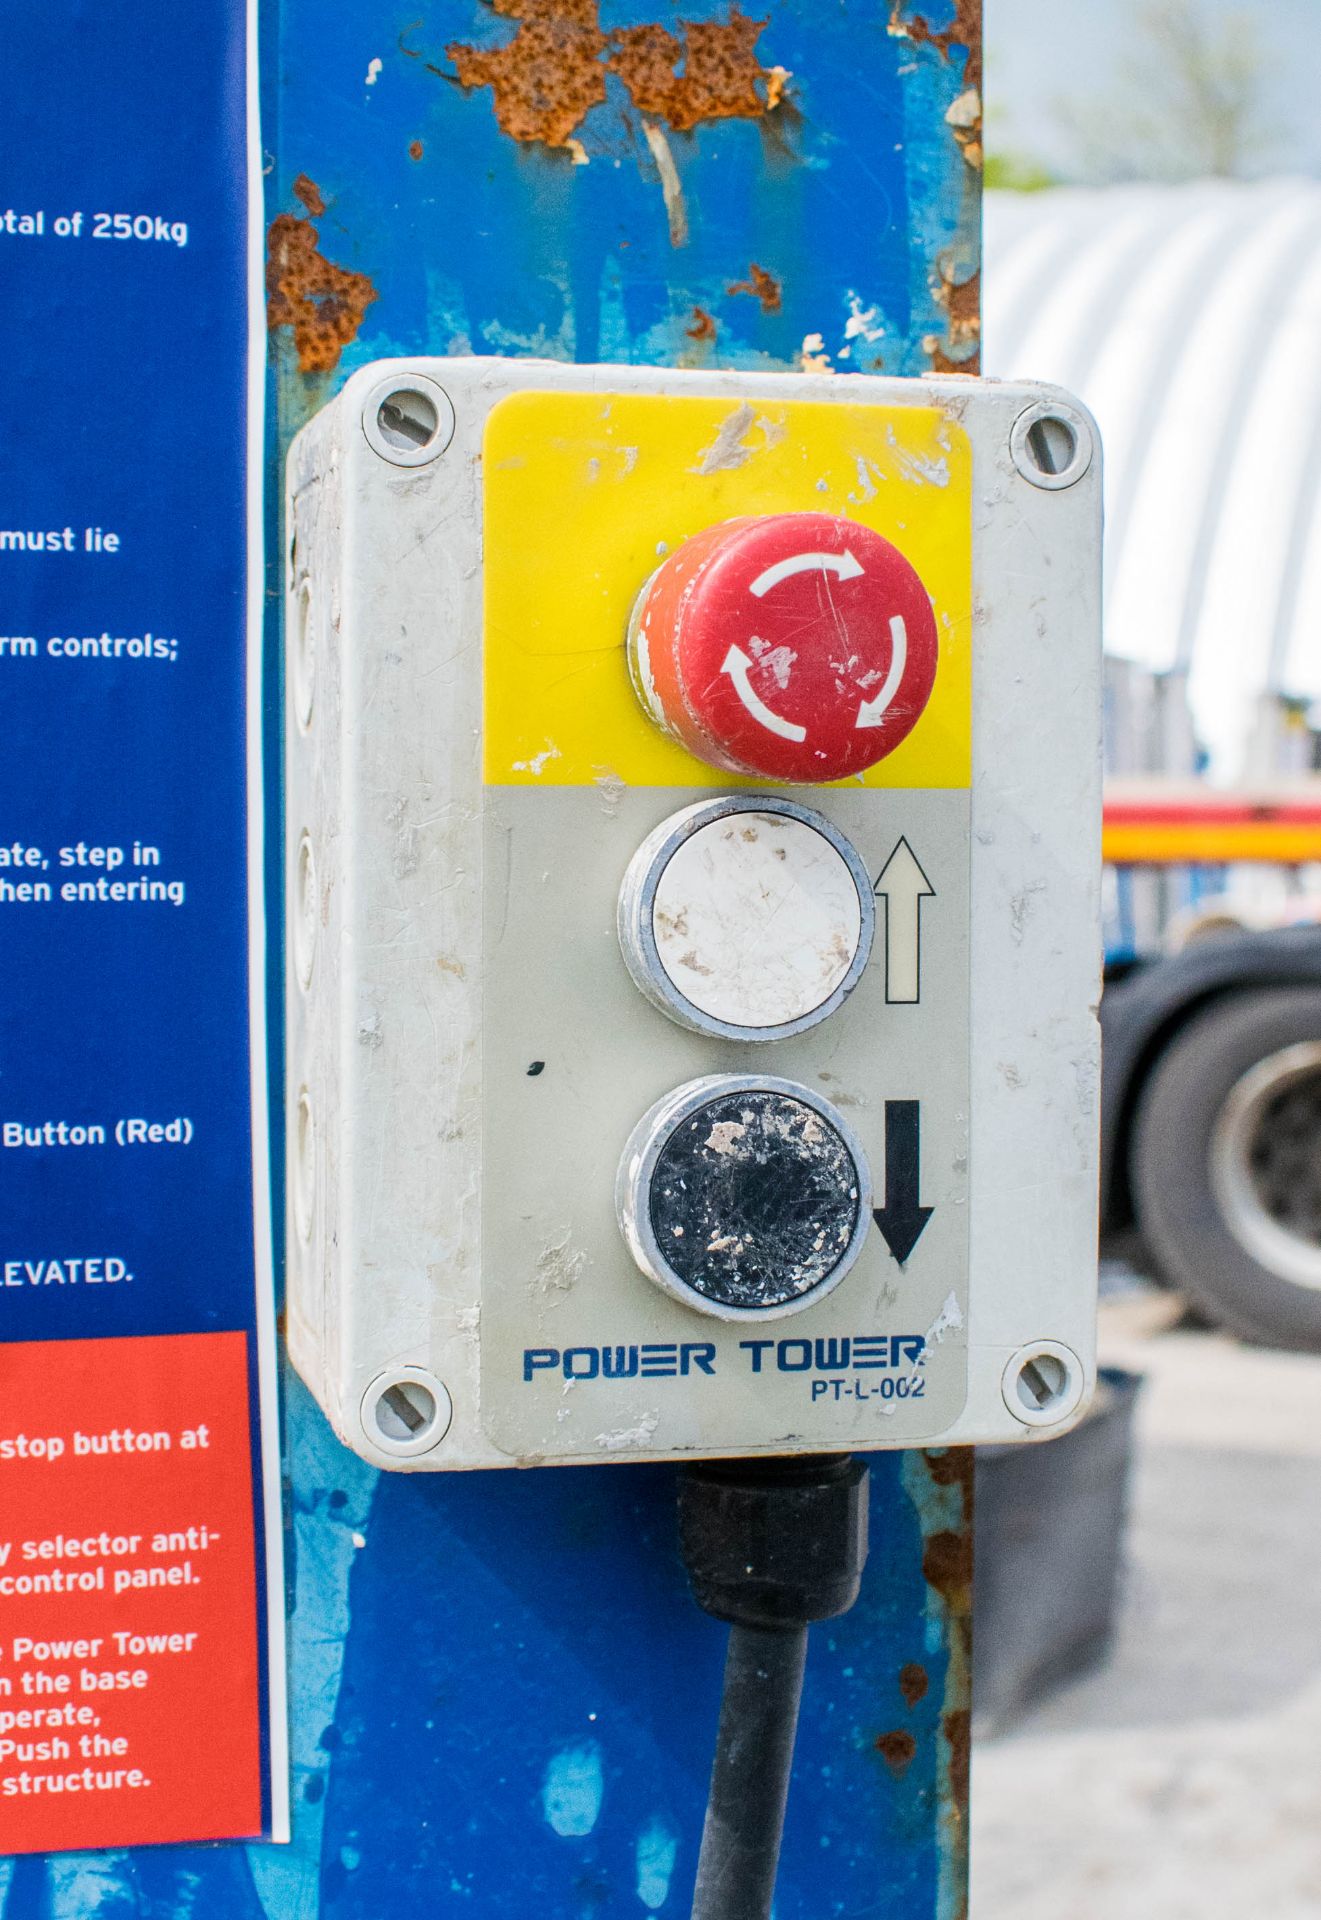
column 1183, row 1781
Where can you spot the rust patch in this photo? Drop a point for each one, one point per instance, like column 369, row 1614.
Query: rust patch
column 897, row 1750
column 415, row 149
column 960, row 351
column 951, row 1467
column 547, row 78
column 962, row 301
column 957, row 1728
column 323, row 304
column 579, row 13
column 947, row 1565
column 309, row 193
column 941, row 361
column 644, row 58
column 722, row 78
column 940, row 1483
column 703, row 327
column 943, row 1492
column 914, row 1682
column 762, row 286
column 965, row 30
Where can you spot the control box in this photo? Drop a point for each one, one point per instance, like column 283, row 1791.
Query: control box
column 693, row 852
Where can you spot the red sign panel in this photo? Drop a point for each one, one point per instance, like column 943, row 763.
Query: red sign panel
column 128, row 1607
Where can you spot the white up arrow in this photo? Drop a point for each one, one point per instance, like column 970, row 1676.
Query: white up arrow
column 904, row 887
column 738, row 666
column 872, row 712
column 843, row 565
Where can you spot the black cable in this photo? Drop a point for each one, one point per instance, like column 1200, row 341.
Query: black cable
column 750, row 1777
column 769, row 1546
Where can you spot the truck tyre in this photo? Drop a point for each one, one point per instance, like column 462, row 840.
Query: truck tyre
column 1226, row 1164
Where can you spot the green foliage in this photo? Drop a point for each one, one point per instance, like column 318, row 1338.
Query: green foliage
column 1016, row 173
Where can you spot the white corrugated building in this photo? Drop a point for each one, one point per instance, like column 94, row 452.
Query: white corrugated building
column 1189, row 321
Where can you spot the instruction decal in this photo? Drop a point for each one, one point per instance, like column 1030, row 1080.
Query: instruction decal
column 128, row 1664
column 141, row 1607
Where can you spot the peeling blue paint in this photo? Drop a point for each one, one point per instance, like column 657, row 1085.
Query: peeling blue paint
column 331, row 1494
column 84, row 1885
column 658, row 1849
column 573, row 1790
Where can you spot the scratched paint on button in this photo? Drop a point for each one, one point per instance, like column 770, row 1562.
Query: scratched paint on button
column 757, row 920
column 788, row 646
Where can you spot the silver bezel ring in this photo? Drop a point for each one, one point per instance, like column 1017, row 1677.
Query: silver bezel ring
column 637, row 1168
column 637, row 905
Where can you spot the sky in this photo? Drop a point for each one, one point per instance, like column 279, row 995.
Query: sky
column 1042, row 51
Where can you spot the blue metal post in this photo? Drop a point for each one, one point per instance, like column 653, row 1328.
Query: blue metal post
column 503, row 1698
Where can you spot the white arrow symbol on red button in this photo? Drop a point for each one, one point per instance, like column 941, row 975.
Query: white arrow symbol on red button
column 843, row 565
column 872, row 712
column 738, row 666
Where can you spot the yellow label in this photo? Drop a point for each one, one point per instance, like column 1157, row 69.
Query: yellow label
column 586, row 494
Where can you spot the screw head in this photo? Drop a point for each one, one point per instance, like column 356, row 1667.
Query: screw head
column 1043, row 1383
column 408, row 419
column 406, row 1411
column 1052, row 445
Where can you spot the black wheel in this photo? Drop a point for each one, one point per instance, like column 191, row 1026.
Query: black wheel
column 1226, row 1165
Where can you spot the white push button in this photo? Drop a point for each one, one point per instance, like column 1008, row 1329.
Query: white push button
column 746, row 918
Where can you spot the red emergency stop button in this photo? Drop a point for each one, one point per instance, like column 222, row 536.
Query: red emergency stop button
column 793, row 647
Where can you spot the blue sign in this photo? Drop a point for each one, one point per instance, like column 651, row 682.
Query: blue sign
column 133, row 1207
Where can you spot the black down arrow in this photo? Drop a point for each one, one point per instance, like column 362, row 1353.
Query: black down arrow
column 902, row 1218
